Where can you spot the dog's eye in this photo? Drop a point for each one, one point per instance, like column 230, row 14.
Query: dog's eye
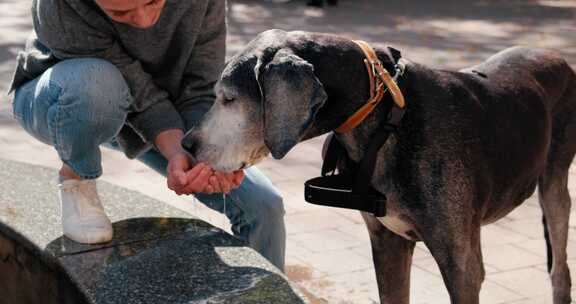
column 228, row 100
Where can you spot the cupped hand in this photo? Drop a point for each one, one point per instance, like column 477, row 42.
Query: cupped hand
column 224, row 182
column 198, row 179
column 176, row 179
column 184, row 178
column 237, row 178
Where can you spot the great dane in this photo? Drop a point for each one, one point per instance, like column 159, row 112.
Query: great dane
column 472, row 146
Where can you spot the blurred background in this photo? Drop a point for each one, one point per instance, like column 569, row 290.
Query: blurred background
column 328, row 251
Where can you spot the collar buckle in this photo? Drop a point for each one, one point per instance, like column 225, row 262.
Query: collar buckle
column 380, row 83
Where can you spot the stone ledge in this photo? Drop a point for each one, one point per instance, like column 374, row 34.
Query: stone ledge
column 158, row 255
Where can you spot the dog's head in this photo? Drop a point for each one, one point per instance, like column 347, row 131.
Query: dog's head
column 266, row 99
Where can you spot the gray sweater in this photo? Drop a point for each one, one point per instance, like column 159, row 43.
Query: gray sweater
column 170, row 68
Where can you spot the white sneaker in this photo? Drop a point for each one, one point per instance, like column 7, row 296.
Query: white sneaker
column 83, row 217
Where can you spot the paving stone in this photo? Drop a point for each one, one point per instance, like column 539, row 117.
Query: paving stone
column 496, row 235
column 427, row 288
column 358, row 231
column 337, row 261
column 349, row 287
column 546, row 299
column 538, row 247
column 421, row 253
column 531, row 227
column 365, row 251
column 422, row 246
column 528, row 210
column 301, row 271
column 315, row 220
column 295, row 254
column 294, row 203
column 325, row 240
column 528, row 282
column 496, row 294
column 507, row 257
column 350, row 214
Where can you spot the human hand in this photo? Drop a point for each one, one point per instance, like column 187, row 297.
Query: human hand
column 224, row 182
column 238, row 177
column 183, row 177
column 183, row 180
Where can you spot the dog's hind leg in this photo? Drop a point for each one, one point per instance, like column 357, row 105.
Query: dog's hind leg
column 392, row 256
column 555, row 199
column 555, row 202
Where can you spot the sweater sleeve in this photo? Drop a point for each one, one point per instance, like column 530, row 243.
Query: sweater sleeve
column 67, row 35
column 205, row 64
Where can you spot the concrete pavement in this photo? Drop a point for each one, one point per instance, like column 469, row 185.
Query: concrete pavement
column 328, row 250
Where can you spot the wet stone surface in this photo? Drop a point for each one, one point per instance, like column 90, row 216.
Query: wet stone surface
column 158, row 255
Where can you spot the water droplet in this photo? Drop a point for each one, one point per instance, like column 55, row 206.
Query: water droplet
column 224, row 221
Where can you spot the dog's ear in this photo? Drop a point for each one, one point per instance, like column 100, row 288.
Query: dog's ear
column 291, row 97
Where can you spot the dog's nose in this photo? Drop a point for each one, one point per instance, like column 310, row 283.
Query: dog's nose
column 190, row 144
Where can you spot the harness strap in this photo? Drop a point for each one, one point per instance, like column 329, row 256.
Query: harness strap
column 328, row 191
column 380, row 82
column 367, row 165
column 353, row 189
column 334, row 153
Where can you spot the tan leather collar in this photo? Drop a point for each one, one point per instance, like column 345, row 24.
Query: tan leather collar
column 380, row 82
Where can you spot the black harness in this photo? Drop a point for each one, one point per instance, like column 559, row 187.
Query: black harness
column 352, row 190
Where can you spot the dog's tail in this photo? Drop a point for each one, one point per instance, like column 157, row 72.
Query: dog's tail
column 549, row 256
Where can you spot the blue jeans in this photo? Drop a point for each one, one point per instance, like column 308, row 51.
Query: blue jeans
column 80, row 104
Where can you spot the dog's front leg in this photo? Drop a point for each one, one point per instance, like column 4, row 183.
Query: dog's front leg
column 455, row 245
column 392, row 255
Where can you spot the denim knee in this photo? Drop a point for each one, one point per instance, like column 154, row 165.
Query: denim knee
column 270, row 207
column 96, row 88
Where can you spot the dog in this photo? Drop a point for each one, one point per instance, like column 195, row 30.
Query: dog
column 472, row 146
